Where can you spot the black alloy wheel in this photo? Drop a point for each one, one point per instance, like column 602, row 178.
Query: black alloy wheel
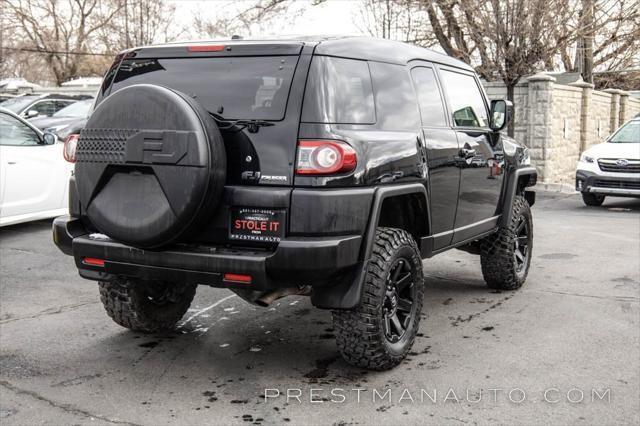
column 521, row 251
column 398, row 301
column 506, row 255
column 379, row 332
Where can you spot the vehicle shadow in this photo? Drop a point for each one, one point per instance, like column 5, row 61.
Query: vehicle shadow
column 292, row 341
column 627, row 204
column 21, row 228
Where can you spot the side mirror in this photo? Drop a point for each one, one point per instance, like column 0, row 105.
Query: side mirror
column 31, row 113
column 49, row 138
column 501, row 114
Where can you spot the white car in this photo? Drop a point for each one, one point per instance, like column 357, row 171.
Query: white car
column 611, row 168
column 34, row 176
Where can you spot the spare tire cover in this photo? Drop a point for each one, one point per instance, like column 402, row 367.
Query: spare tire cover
column 150, row 164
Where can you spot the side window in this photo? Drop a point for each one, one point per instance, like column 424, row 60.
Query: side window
column 338, row 91
column 396, row 104
column 44, row 108
column 62, row 104
column 429, row 97
column 466, row 102
column 16, row 133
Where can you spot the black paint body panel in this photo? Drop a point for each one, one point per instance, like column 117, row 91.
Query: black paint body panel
column 331, row 220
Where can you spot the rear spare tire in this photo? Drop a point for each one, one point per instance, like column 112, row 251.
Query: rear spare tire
column 150, row 165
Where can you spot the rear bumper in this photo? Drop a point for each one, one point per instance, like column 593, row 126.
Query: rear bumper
column 622, row 186
column 296, row 261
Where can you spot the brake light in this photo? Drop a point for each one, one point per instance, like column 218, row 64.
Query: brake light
column 69, row 149
column 93, row 261
column 322, row 157
column 206, row 48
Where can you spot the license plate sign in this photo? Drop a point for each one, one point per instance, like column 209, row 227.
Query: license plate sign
column 258, row 225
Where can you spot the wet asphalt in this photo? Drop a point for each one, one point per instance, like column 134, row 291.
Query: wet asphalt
column 565, row 349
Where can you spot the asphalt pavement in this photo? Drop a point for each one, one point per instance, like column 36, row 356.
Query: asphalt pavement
column 565, row 349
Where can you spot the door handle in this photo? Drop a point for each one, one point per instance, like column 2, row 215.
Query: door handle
column 11, row 162
column 467, row 153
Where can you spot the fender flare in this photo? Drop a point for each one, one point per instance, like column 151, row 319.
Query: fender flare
column 511, row 190
column 347, row 292
column 379, row 196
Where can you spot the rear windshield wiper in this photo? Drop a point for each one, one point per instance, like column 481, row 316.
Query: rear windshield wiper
column 252, row 125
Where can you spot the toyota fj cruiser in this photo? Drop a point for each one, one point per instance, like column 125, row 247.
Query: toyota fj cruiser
column 328, row 167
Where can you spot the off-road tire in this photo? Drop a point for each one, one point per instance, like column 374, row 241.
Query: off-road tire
column 128, row 303
column 497, row 251
column 360, row 334
column 592, row 199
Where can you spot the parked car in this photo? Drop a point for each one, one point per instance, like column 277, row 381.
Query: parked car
column 32, row 106
column 34, row 177
column 6, row 96
column 327, row 167
column 611, row 168
column 75, row 112
column 72, row 128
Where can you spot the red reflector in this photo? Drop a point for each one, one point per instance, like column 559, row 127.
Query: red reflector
column 237, row 278
column 206, row 48
column 93, row 261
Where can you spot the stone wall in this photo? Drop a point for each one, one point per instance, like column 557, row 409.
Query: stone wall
column 559, row 121
column 599, row 124
column 563, row 150
column 633, row 107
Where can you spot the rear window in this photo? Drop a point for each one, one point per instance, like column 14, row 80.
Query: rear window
column 338, row 91
column 396, row 105
column 232, row 87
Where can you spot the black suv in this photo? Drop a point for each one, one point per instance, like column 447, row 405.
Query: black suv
column 326, row 167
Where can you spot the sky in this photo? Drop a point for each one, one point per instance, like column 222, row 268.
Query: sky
column 330, row 18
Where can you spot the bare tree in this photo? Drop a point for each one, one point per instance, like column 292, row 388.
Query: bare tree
column 139, row 23
column 504, row 39
column 509, row 39
column 232, row 19
column 393, row 19
column 609, row 39
column 61, row 31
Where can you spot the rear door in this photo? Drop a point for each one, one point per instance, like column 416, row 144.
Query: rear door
column 34, row 175
column 253, row 92
column 480, row 157
column 441, row 146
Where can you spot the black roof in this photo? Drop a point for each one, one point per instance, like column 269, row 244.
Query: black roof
column 356, row 47
column 384, row 50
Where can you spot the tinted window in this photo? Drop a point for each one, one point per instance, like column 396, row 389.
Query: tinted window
column 44, row 108
column 233, row 87
column 466, row 102
column 14, row 132
column 338, row 91
column 429, row 98
column 63, row 104
column 76, row 109
column 396, row 106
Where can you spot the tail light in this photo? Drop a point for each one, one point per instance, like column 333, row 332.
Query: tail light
column 322, row 157
column 70, row 145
